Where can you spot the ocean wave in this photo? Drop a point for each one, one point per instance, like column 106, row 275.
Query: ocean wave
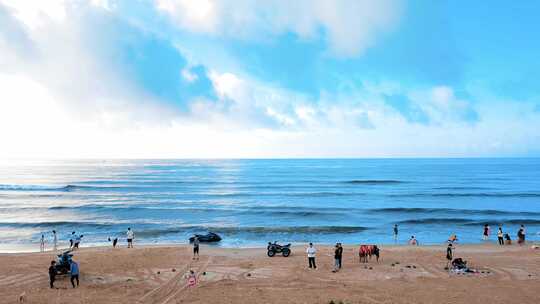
column 471, row 194
column 23, row 187
column 450, row 210
column 77, row 224
column 374, row 181
column 505, row 222
column 425, row 221
column 253, row 230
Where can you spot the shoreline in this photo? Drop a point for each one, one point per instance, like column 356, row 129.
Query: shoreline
column 31, row 249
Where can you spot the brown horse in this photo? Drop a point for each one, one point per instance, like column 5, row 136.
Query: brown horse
column 366, row 251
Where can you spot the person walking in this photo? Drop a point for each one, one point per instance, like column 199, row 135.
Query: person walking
column 55, row 240
column 486, row 232
column 449, row 255
column 311, row 252
column 52, row 274
column 71, row 242
column 74, row 271
column 42, row 243
column 130, row 236
column 500, row 236
column 395, row 233
column 196, row 248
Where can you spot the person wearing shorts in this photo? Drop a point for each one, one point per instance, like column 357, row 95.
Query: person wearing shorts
column 196, row 248
column 130, row 236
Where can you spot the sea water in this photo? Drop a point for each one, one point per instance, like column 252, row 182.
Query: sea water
column 251, row 202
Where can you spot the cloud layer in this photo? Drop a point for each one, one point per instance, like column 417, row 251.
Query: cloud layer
column 167, row 79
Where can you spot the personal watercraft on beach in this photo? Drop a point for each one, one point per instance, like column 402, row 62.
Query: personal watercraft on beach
column 206, row 238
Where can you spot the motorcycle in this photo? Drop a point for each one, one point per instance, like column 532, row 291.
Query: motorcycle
column 274, row 248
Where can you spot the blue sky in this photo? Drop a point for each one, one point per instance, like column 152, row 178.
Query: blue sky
column 239, row 78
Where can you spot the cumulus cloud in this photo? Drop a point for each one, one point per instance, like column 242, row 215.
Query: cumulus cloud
column 348, row 26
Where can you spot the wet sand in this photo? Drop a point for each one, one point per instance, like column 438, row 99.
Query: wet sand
column 156, row 274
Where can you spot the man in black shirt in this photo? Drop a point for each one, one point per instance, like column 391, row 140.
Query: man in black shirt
column 338, row 254
column 52, row 273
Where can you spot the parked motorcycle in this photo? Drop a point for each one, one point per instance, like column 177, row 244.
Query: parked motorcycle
column 274, row 248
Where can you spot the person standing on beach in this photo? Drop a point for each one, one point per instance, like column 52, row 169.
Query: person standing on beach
column 130, row 236
column 311, row 252
column 486, row 232
column 77, row 241
column 42, row 243
column 500, row 236
column 521, row 235
column 449, row 255
column 52, row 274
column 196, row 247
column 55, row 240
column 395, row 233
column 74, row 271
column 338, row 255
column 71, row 240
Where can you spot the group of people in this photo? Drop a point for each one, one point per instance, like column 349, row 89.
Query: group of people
column 74, row 243
column 311, row 252
column 73, row 273
column 504, row 238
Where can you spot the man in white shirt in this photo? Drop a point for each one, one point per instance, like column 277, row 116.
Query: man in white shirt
column 130, row 236
column 311, row 252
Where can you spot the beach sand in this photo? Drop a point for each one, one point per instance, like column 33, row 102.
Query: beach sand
column 145, row 275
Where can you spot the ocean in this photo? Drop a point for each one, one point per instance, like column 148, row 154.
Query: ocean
column 251, row 202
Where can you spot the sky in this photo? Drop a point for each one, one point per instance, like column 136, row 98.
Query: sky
column 269, row 79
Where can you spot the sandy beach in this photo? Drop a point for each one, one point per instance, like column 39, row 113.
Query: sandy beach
column 156, row 274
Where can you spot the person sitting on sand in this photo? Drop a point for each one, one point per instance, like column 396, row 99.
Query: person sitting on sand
column 413, row 241
column 500, row 236
column 196, row 248
column 191, row 279
column 74, row 271
column 52, row 274
column 130, row 236
column 452, row 239
column 311, row 252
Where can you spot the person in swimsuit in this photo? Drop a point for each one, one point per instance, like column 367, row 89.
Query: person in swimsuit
column 395, row 233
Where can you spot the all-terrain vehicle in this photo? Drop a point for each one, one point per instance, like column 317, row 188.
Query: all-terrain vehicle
column 63, row 265
column 274, row 248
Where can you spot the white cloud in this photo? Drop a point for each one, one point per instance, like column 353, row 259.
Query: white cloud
column 349, row 26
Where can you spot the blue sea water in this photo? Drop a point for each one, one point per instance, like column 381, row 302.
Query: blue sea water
column 250, row 202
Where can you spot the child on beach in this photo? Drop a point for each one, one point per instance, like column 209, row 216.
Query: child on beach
column 191, row 279
column 413, row 241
